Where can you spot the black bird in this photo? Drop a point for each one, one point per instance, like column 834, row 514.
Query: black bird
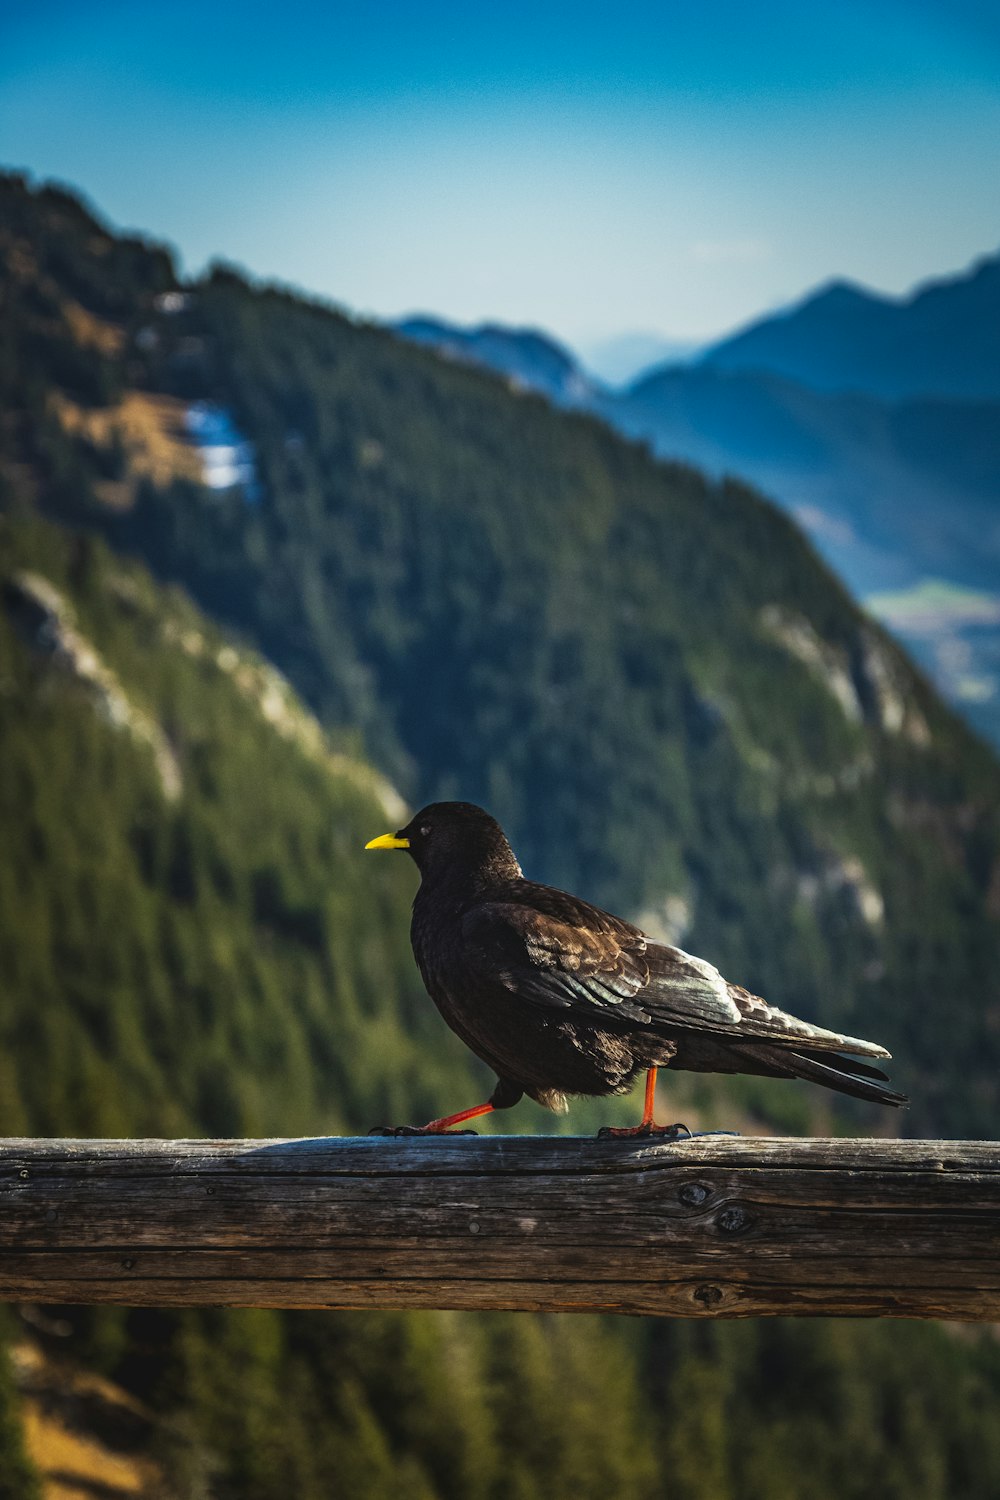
column 561, row 998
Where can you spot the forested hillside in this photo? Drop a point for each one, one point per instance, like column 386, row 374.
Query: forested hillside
column 896, row 493
column 875, row 423
column 938, row 341
column 194, row 941
column 649, row 678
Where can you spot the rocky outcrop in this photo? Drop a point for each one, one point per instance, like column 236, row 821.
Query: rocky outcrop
column 46, row 618
column 275, row 700
column 868, row 684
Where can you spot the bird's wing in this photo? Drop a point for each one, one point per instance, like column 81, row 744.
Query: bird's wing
column 554, row 950
column 689, row 992
column 563, row 958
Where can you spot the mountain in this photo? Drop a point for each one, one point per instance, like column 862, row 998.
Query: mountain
column 418, row 579
column 534, row 361
column 875, row 422
column 530, row 360
column 195, row 942
column 939, row 341
column 898, row 491
column 894, row 493
column 506, row 602
column 625, row 357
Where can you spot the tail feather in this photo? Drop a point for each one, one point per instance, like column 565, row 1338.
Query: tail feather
column 844, row 1064
column 844, row 1074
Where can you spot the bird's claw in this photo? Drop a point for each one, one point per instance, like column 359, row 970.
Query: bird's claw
column 398, row 1130
column 627, row 1132
column 669, row 1132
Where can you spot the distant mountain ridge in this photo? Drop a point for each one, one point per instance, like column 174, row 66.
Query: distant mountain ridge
column 626, row 357
column 941, row 340
column 874, row 421
column 910, row 486
column 530, row 360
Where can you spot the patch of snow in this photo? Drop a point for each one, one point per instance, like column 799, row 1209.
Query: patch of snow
column 227, row 457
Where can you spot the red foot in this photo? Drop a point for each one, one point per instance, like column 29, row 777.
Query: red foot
column 437, row 1127
column 648, row 1127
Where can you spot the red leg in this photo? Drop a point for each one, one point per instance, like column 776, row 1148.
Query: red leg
column 647, row 1109
column 648, row 1126
column 437, row 1127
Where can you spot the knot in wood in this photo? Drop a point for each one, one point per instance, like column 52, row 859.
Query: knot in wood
column 708, row 1295
column 733, row 1219
column 692, row 1194
column 24, row 1174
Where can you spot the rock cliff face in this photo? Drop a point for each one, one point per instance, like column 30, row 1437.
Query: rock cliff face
column 47, row 621
column 872, row 688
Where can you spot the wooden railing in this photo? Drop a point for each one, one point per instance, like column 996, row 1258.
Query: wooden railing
column 710, row 1227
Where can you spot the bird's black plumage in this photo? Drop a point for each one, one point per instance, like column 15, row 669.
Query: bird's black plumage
column 562, row 998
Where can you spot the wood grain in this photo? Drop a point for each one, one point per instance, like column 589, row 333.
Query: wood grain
column 711, row 1227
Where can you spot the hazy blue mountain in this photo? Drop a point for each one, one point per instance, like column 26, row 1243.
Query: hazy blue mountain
column 626, row 357
column 896, row 495
column 529, row 359
column 874, row 421
column 906, row 488
column 940, row 340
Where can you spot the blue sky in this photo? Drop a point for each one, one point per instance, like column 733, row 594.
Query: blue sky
column 666, row 168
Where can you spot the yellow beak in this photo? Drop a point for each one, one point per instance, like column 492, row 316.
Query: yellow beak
column 388, row 841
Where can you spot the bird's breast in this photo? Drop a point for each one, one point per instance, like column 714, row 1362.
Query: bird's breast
column 435, row 934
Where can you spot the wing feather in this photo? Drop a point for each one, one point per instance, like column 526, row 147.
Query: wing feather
column 553, row 962
column 556, row 951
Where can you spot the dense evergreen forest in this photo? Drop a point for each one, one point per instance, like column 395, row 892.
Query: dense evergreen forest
column 650, row 679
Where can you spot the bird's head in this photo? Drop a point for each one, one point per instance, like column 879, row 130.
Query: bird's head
column 454, row 838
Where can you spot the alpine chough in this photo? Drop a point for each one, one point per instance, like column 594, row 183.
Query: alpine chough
column 561, row 998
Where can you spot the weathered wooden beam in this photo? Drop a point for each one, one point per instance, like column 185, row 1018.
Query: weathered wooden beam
column 710, row 1227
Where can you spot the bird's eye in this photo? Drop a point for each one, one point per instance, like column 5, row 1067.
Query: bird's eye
column 425, row 830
